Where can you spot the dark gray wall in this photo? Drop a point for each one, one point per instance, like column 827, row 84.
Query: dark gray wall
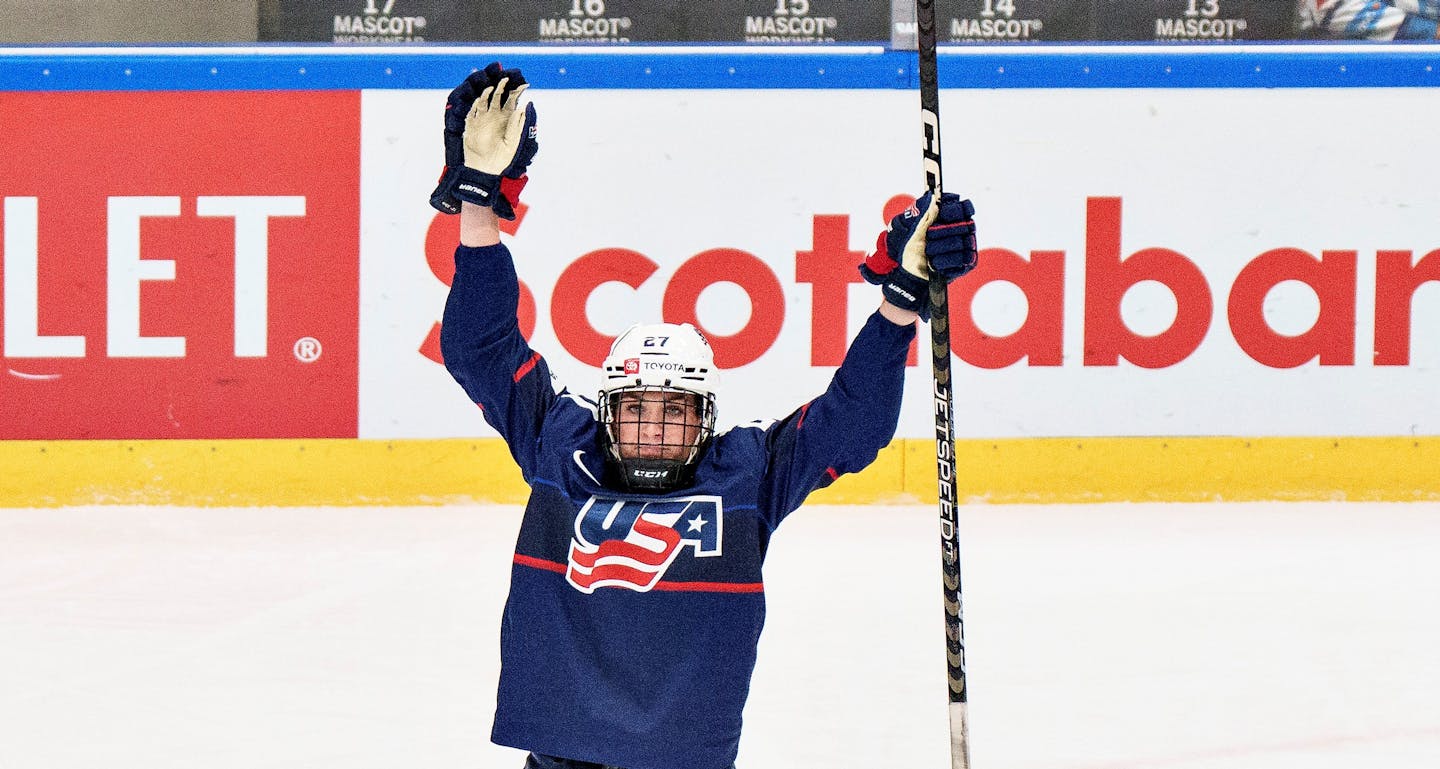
column 128, row 21
column 639, row 21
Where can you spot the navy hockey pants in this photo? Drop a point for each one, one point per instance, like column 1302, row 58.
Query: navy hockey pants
column 537, row 761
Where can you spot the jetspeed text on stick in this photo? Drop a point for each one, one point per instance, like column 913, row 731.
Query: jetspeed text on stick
column 945, row 459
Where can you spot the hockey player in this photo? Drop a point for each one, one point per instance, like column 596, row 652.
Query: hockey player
column 1370, row 19
column 636, row 599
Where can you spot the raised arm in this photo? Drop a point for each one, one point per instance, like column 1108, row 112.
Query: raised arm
column 844, row 429
column 480, row 337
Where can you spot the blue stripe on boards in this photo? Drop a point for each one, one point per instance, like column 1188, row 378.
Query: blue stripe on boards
column 323, row 67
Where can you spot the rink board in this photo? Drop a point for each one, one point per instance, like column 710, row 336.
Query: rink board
column 1181, row 245
column 452, row 471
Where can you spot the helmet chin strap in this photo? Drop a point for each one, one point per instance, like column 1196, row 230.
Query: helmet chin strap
column 650, row 475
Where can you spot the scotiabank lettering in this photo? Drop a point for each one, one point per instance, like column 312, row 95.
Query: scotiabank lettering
column 1110, row 273
column 828, row 267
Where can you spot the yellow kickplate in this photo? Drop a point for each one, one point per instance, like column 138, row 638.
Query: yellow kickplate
column 432, row 472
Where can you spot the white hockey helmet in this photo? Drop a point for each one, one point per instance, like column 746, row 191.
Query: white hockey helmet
column 664, row 359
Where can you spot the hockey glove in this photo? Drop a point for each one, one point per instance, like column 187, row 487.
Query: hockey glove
column 497, row 184
column 921, row 239
column 457, row 107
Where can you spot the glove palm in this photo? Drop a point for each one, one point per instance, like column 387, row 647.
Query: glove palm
column 495, row 128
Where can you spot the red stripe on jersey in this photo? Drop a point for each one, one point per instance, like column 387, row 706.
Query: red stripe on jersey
column 619, row 548
column 611, row 571
column 527, row 366
column 712, row 587
column 676, row 587
column 833, row 475
column 539, row 563
column 803, row 409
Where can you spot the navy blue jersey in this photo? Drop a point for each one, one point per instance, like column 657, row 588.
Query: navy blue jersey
column 630, row 631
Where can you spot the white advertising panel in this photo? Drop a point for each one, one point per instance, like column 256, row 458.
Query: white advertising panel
column 1155, row 262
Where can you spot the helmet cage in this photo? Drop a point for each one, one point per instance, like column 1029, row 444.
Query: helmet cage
column 653, row 435
column 657, row 386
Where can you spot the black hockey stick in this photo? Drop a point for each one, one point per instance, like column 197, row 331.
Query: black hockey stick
column 944, row 403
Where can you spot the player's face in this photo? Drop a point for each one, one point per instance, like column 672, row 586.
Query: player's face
column 657, row 425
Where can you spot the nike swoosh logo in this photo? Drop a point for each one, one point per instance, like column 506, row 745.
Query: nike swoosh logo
column 580, row 462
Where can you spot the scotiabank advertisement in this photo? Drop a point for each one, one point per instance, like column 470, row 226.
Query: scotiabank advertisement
column 179, row 265
column 1155, row 262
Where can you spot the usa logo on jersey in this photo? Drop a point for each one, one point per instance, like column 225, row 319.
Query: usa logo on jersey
column 631, row 543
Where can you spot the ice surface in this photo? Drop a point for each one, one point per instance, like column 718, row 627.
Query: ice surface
column 1225, row 636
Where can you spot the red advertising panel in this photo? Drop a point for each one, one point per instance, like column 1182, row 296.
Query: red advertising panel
column 179, row 264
